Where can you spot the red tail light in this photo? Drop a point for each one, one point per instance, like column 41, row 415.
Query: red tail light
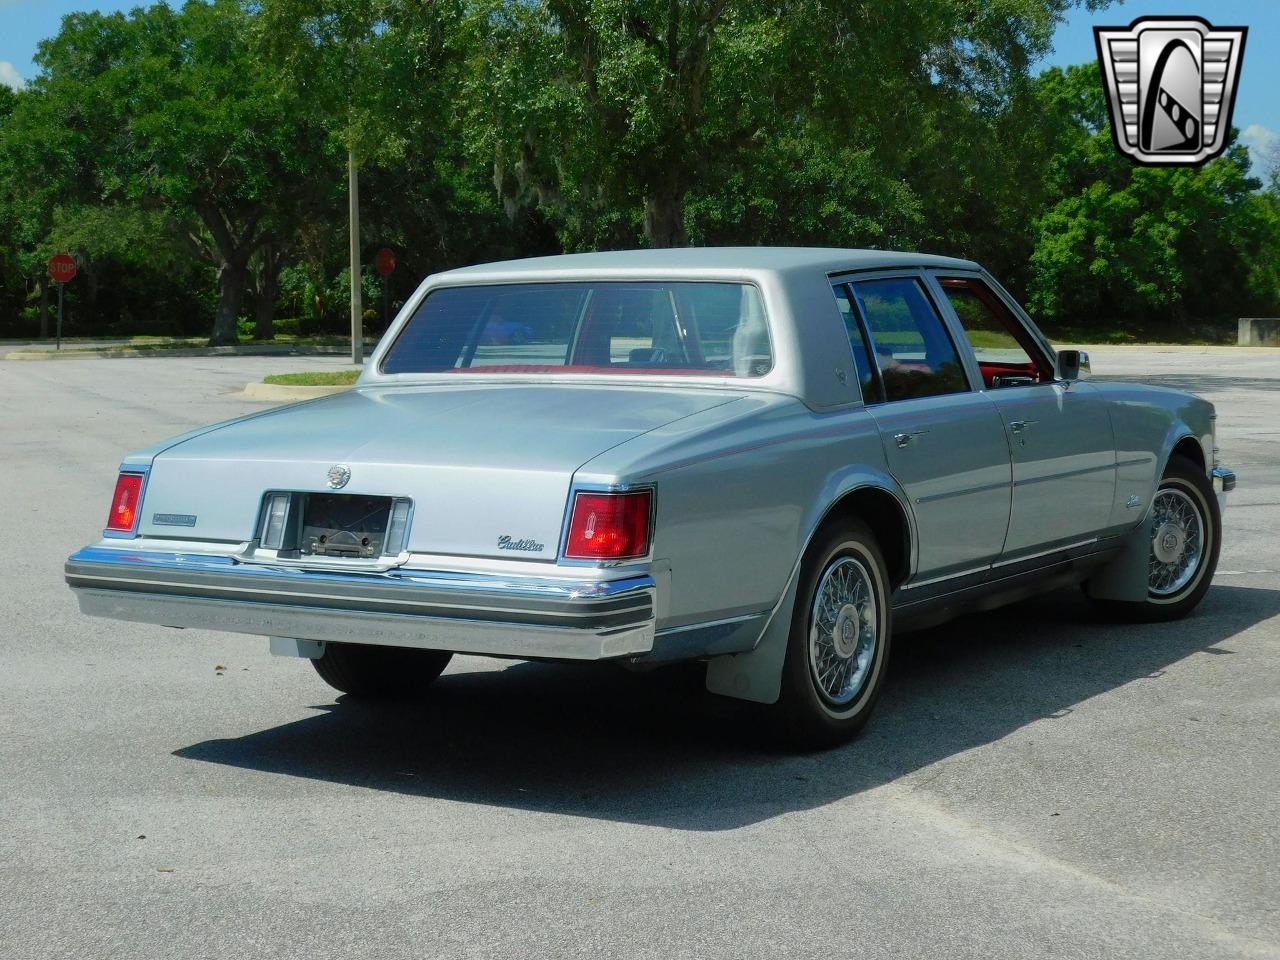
column 124, row 504
column 609, row 526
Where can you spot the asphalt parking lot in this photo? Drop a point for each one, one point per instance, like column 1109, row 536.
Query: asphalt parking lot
column 1036, row 783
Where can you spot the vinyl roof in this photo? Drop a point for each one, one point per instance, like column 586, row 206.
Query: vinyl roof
column 692, row 260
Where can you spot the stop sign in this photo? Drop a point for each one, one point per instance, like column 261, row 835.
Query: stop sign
column 385, row 261
column 62, row 267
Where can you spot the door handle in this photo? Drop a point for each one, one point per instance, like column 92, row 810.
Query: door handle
column 904, row 439
column 1018, row 427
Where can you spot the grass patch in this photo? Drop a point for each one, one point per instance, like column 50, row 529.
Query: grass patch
column 1190, row 334
column 314, row 378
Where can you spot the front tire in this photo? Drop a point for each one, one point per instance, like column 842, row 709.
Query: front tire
column 376, row 672
column 1186, row 538
column 838, row 648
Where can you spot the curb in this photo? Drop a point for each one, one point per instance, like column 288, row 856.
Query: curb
column 112, row 353
column 282, row 393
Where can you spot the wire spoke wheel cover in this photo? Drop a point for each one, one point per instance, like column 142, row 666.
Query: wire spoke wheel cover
column 1177, row 542
column 843, row 631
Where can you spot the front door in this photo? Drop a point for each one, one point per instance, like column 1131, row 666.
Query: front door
column 1064, row 464
column 944, row 441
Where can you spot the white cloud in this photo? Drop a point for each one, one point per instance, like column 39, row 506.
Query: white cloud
column 10, row 77
column 1264, row 148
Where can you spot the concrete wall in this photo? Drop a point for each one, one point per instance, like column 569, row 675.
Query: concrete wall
column 1259, row 332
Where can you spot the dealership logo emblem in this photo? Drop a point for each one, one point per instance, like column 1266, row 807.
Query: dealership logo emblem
column 1171, row 86
column 339, row 474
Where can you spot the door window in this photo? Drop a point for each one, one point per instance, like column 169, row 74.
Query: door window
column 909, row 345
column 1007, row 355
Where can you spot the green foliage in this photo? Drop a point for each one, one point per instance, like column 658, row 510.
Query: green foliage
column 1143, row 245
column 193, row 159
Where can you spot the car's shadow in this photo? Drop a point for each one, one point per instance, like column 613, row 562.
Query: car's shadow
column 654, row 748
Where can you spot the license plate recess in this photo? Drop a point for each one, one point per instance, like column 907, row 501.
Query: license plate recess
column 343, row 525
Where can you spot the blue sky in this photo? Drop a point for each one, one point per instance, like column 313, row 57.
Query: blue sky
column 23, row 23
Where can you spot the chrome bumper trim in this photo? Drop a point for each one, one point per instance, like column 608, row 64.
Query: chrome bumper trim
column 560, row 618
column 1224, row 481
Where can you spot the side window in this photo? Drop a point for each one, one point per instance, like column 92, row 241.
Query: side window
column 911, row 348
column 868, row 377
column 1006, row 353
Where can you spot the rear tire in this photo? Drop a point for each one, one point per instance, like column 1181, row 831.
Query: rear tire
column 1185, row 542
column 841, row 629
column 377, row 672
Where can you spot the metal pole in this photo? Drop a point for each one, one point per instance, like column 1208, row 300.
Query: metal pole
column 357, row 311
column 44, row 308
column 60, row 286
column 386, row 301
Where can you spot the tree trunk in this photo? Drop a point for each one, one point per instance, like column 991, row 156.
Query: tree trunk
column 233, row 274
column 266, row 287
column 234, row 248
column 91, row 282
column 264, row 317
column 664, row 216
column 43, row 280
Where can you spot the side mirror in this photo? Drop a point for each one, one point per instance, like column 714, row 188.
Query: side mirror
column 1072, row 365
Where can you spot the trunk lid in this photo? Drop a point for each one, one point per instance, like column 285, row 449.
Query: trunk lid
column 480, row 462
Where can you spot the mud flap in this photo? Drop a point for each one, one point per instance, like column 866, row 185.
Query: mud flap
column 291, row 647
column 1125, row 576
column 757, row 674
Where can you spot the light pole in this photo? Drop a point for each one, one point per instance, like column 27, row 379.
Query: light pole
column 357, row 310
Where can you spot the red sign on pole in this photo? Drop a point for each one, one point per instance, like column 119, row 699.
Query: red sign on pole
column 385, row 261
column 62, row 267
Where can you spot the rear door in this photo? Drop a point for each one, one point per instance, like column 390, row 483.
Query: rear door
column 1059, row 434
column 944, row 441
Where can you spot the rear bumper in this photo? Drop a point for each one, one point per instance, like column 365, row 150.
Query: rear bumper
column 526, row 617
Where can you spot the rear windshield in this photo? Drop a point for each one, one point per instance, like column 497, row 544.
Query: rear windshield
column 712, row 329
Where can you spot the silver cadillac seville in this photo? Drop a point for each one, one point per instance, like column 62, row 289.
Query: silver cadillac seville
column 765, row 459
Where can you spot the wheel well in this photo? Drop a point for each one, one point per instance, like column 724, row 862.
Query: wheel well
column 1189, row 447
column 882, row 512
